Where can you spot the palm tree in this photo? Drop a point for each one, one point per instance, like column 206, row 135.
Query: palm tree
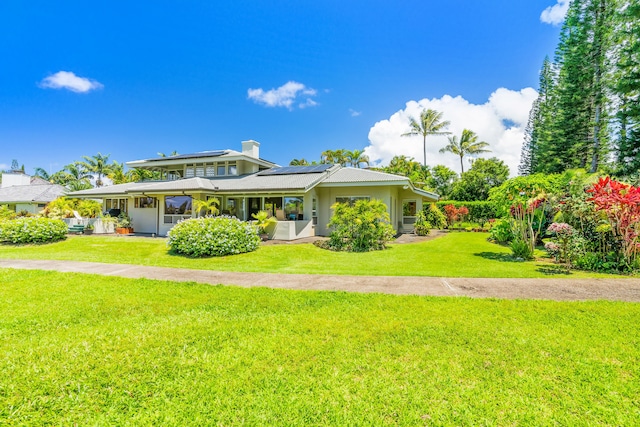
column 137, row 175
column 98, row 164
column 209, row 206
column 173, row 153
column 116, row 174
column 467, row 145
column 334, row 157
column 430, row 124
column 356, row 157
column 41, row 173
column 73, row 176
column 298, row 162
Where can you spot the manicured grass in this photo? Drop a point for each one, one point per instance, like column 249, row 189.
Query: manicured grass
column 455, row 255
column 92, row 350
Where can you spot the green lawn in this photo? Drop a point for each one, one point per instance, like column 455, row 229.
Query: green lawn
column 455, row 255
column 91, row 350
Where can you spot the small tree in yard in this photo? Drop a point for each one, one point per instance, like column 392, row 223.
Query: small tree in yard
column 361, row 227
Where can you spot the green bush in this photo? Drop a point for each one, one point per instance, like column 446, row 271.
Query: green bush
column 213, row 236
column 521, row 249
column 32, row 230
column 435, row 216
column 361, row 227
column 479, row 211
column 6, row 213
column 501, row 231
column 422, row 227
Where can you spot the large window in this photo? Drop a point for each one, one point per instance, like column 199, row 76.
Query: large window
column 177, row 205
column 230, row 207
column 121, row 204
column 293, row 208
column 145, row 202
column 273, row 205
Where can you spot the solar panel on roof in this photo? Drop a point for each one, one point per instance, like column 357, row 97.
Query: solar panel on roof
column 295, row 170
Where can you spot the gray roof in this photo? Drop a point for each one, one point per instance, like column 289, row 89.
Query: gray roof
column 213, row 154
column 353, row 175
column 258, row 183
column 38, row 193
column 110, row 190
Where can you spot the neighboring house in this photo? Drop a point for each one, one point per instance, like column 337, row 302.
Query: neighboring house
column 300, row 197
column 22, row 192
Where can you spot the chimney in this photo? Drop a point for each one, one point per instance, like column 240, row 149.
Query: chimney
column 251, row 148
column 14, row 178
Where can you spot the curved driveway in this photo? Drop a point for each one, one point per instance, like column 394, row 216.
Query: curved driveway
column 554, row 289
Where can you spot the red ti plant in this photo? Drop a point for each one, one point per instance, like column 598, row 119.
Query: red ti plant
column 463, row 212
column 454, row 214
column 621, row 204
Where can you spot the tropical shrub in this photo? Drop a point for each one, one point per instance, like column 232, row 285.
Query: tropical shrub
column 361, row 227
column 521, row 249
column 213, row 236
column 422, row 227
column 63, row 207
column 32, row 230
column 263, row 221
column 620, row 204
column 434, row 216
column 6, row 213
column 501, row 231
column 564, row 235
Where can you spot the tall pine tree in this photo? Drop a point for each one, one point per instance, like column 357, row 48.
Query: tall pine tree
column 625, row 77
column 570, row 130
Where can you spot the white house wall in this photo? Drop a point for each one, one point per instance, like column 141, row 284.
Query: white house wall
column 144, row 219
column 327, row 197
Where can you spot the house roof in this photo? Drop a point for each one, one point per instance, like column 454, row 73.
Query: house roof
column 202, row 156
column 37, row 193
column 296, row 179
column 353, row 175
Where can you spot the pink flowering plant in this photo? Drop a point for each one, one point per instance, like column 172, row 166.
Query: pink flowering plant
column 561, row 249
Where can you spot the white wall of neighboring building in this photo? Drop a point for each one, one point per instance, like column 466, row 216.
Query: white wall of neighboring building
column 10, row 179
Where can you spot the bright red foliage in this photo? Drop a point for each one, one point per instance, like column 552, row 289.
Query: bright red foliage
column 621, row 204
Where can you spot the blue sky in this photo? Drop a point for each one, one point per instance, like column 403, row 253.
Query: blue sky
column 131, row 79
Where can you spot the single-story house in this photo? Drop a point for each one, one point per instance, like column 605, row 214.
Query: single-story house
column 300, row 197
column 22, row 192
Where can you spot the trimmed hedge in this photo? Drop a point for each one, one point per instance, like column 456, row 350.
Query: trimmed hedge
column 32, row 230
column 213, row 236
column 479, row 211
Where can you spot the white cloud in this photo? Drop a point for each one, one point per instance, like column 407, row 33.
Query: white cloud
column 500, row 122
column 68, row 80
column 284, row 96
column 555, row 14
column 354, row 113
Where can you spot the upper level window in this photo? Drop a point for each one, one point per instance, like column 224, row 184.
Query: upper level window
column 232, row 169
column 221, row 169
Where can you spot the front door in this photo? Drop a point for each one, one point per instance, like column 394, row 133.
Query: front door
column 409, row 210
column 255, row 206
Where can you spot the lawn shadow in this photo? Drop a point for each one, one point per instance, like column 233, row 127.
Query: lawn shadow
column 497, row 256
column 553, row 270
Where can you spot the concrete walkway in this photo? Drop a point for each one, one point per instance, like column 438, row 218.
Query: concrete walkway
column 553, row 289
